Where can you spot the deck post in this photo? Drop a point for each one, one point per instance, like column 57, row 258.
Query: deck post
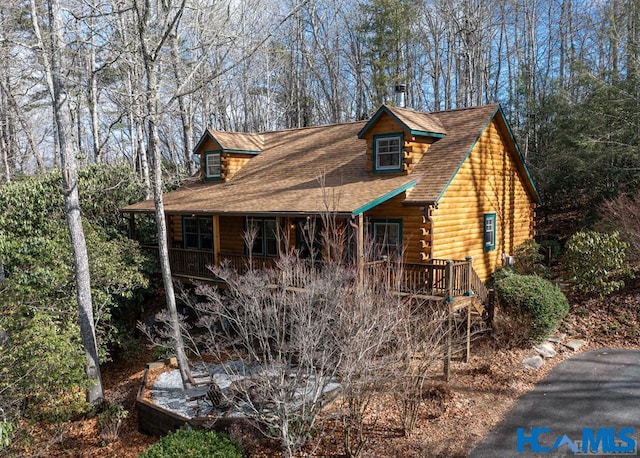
column 216, row 240
column 468, row 354
column 469, row 285
column 360, row 249
column 448, row 281
column 447, row 356
column 132, row 226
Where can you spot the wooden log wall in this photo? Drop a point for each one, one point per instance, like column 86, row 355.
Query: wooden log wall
column 416, row 229
column 488, row 182
column 231, row 231
column 175, row 231
column 231, row 163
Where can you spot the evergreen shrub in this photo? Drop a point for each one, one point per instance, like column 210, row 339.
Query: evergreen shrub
column 194, row 444
column 528, row 259
column 594, row 260
column 538, row 300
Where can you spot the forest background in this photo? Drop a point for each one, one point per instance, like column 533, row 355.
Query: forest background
column 565, row 71
column 142, row 80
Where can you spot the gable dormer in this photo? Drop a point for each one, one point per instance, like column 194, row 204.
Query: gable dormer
column 397, row 139
column 223, row 154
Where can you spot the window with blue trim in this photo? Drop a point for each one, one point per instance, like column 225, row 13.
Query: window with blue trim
column 265, row 242
column 387, row 151
column 212, row 165
column 197, row 232
column 386, row 236
column 489, row 231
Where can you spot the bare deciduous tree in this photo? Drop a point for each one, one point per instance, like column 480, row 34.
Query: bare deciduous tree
column 95, row 393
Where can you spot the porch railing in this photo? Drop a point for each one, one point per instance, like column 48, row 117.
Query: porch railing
column 240, row 263
column 194, row 263
column 438, row 277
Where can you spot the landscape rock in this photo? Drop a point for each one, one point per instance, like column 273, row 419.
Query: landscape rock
column 557, row 338
column 575, row 344
column 533, row 362
column 545, row 350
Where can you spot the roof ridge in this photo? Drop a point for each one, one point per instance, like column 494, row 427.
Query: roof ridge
column 289, row 129
column 475, row 107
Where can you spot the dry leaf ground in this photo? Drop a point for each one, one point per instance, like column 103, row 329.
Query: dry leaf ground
column 474, row 401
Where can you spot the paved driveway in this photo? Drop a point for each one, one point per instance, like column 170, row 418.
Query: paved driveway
column 595, row 389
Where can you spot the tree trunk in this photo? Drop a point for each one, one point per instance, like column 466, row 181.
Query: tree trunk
column 185, row 114
column 148, row 58
column 163, row 245
column 94, row 106
column 72, row 208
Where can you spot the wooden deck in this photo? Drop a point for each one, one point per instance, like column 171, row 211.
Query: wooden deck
column 453, row 282
column 438, row 278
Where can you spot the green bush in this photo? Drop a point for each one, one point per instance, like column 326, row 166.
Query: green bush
column 528, row 259
column 6, row 432
column 593, row 259
column 194, row 444
column 42, row 363
column 537, row 299
column 555, row 246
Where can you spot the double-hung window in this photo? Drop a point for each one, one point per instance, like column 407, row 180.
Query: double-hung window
column 265, row 242
column 387, row 237
column 388, row 153
column 212, row 165
column 198, row 232
column 489, row 231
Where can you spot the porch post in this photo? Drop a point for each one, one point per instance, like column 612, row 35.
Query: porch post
column 132, row 226
column 469, row 284
column 216, row 240
column 448, row 281
column 360, row 249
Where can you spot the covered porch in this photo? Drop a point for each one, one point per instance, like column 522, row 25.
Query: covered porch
column 442, row 278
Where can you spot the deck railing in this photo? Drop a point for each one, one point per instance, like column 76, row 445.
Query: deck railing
column 194, row 263
column 438, row 277
column 241, row 263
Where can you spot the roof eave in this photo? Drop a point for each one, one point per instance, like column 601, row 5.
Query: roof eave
column 241, row 151
column 384, row 198
column 203, row 137
column 424, row 133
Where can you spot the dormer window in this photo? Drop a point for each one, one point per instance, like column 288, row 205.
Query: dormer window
column 387, row 152
column 212, row 168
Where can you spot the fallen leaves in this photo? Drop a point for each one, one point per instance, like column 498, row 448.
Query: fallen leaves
column 455, row 417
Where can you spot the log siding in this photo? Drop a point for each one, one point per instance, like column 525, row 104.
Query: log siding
column 489, row 181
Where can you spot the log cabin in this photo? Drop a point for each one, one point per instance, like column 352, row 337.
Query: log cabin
column 447, row 192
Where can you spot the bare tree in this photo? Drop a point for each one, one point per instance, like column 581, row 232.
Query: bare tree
column 165, row 16
column 95, row 393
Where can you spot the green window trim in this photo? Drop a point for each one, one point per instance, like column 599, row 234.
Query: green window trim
column 489, row 232
column 386, row 236
column 388, row 153
column 266, row 241
column 212, row 165
column 197, row 232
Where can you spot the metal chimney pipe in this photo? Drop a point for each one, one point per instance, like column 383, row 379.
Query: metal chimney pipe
column 400, row 91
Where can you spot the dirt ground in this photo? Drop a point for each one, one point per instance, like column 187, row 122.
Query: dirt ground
column 475, row 399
